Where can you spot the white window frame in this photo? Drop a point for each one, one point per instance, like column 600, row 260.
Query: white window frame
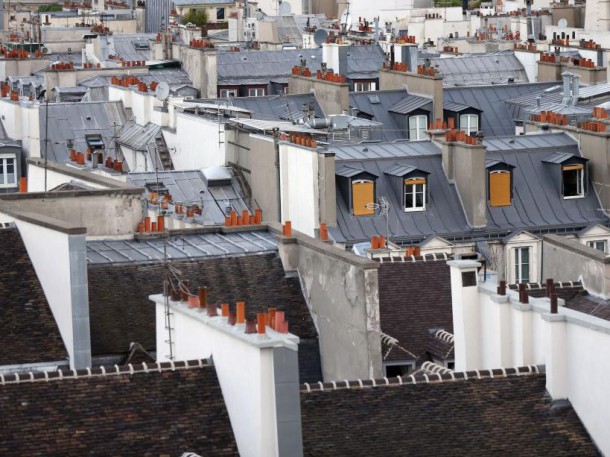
column 414, row 192
column 4, row 159
column 580, row 191
column 421, row 124
column 364, row 86
column 224, row 93
column 410, row 365
column 518, row 263
column 596, row 244
column 256, row 91
column 467, row 124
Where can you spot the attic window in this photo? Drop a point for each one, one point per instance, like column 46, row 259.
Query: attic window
column 573, row 178
column 499, row 188
column 469, row 123
column 417, row 127
column 415, row 194
column 363, row 197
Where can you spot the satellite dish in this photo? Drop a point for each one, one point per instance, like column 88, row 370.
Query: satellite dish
column 162, row 91
column 285, row 9
column 562, row 23
column 346, row 21
column 319, row 38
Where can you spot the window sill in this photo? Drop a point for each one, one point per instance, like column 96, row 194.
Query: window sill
column 573, row 197
column 415, row 210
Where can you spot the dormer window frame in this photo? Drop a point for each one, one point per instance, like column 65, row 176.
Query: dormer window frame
column 410, row 190
column 419, row 129
column 581, row 171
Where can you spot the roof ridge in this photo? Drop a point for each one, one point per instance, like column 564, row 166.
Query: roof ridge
column 541, row 286
column 101, row 371
column 401, row 256
column 423, row 379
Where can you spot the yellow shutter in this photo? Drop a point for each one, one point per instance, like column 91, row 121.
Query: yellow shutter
column 363, row 193
column 499, row 188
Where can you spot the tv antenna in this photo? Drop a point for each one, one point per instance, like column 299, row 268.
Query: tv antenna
column 382, row 209
column 346, row 21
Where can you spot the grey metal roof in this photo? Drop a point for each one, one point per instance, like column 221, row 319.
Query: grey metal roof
column 290, row 28
column 497, row 119
column 124, row 45
column 75, row 120
column 561, row 157
column 401, row 170
column 384, row 150
column 259, row 67
column 204, row 2
column 348, row 171
column 536, row 203
column 455, row 107
column 477, row 69
column 546, row 141
column 138, row 137
column 186, row 187
column 185, row 247
column 411, row 103
column 286, row 107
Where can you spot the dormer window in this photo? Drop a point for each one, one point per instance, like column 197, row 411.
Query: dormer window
column 417, row 127
column 415, row 194
column 357, row 186
column 573, row 179
column 569, row 173
column 499, row 183
column 469, row 123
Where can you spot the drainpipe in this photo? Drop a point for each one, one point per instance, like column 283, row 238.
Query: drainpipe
column 276, row 143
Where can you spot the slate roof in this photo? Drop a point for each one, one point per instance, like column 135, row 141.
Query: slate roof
column 497, row 118
column 503, row 415
column 286, row 107
column 414, row 297
column 123, row 45
column 440, row 345
column 536, row 203
column 74, row 121
column 160, row 412
column 118, row 319
column 186, row 186
column 479, row 69
column 27, row 325
column 174, row 77
column 261, row 67
column 137, row 137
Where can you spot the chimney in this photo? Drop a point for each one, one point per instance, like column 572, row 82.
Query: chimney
column 466, row 314
column 567, row 87
column 464, row 165
column 335, row 56
column 555, row 348
column 264, row 407
column 575, row 88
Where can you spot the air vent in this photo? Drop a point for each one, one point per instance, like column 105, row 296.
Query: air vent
column 374, row 99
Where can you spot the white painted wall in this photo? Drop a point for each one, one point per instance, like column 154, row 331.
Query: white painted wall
column 299, row 187
column 529, row 60
column 574, row 346
column 54, row 179
column 271, row 7
column 195, row 143
column 49, row 251
column 250, row 398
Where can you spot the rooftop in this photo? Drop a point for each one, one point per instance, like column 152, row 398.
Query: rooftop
column 475, row 413
column 161, row 409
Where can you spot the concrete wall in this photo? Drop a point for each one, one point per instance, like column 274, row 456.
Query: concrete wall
column 342, row 292
column 426, row 86
column 333, row 97
column 200, row 64
column 548, row 72
column 21, row 67
column 568, row 260
column 264, row 175
column 59, row 255
column 71, row 78
column 307, row 183
column 494, row 331
column 263, row 406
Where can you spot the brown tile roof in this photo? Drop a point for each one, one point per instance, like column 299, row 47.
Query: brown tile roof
column 162, row 411
column 29, row 331
column 564, row 290
column 591, row 305
column 499, row 415
column 121, row 313
column 414, row 297
column 440, row 345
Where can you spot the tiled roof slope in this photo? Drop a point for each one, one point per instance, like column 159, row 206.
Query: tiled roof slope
column 510, row 415
column 121, row 313
column 164, row 412
column 28, row 329
column 591, row 305
column 564, row 290
column 414, row 297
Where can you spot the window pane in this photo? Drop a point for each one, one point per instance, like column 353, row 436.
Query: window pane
column 408, row 198
column 572, row 183
column 419, row 200
column 525, row 255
